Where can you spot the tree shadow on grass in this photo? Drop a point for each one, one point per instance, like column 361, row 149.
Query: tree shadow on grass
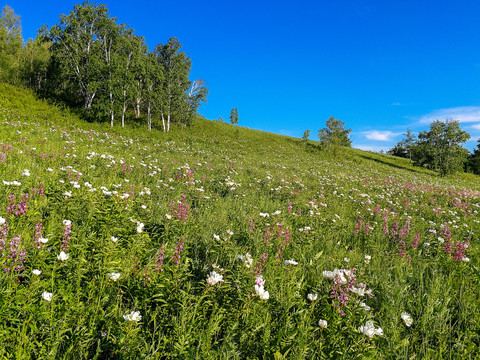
column 388, row 163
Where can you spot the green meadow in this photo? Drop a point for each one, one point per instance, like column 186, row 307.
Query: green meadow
column 215, row 241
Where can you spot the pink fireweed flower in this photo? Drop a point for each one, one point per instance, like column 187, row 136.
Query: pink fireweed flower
column 38, row 235
column 344, row 282
column 261, row 262
column 66, row 235
column 251, row 225
column 159, row 260
column 178, row 251
column 358, row 226
column 416, row 241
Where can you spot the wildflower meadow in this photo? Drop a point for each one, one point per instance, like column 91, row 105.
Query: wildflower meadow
column 219, row 242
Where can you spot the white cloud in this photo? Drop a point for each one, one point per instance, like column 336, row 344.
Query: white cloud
column 380, row 135
column 476, row 126
column 461, row 113
column 372, row 148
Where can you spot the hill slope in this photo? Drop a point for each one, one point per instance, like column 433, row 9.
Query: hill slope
column 141, row 241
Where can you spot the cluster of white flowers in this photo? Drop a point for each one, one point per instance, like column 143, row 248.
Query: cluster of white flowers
column 133, row 316
column 114, row 276
column 312, row 297
column 407, row 319
column 63, row 256
column 247, row 259
column 340, row 272
column 214, row 278
column 369, row 330
column 322, row 323
column 291, row 262
column 260, row 289
column 43, row 240
column 364, row 306
column 47, row 296
column 306, row 228
column 14, row 182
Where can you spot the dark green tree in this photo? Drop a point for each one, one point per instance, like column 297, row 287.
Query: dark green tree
column 334, row 135
column 234, row 116
column 404, row 147
column 473, row 164
column 306, row 135
column 439, row 148
column 398, row 150
column 409, row 143
column 35, row 64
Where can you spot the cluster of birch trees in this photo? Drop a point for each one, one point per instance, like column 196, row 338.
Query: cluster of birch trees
column 90, row 60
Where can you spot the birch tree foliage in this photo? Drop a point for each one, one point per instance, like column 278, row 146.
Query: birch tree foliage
column 77, row 49
column 176, row 68
column 152, row 85
column 11, row 45
column 196, row 95
column 132, row 57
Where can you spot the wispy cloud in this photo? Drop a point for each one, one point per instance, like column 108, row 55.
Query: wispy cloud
column 371, row 148
column 380, row 135
column 462, row 114
column 396, row 104
column 475, row 126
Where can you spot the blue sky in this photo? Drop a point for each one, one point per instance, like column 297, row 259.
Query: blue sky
column 379, row 66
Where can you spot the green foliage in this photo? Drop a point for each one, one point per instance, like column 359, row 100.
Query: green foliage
column 35, row 64
column 176, row 66
column 334, row 135
column 405, row 147
column 473, row 162
column 88, row 60
column 10, row 45
column 306, row 135
column 233, row 116
column 440, row 149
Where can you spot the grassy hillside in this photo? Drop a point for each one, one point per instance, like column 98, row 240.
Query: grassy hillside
column 120, row 243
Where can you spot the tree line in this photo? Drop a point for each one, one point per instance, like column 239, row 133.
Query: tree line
column 88, row 60
column 439, row 149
